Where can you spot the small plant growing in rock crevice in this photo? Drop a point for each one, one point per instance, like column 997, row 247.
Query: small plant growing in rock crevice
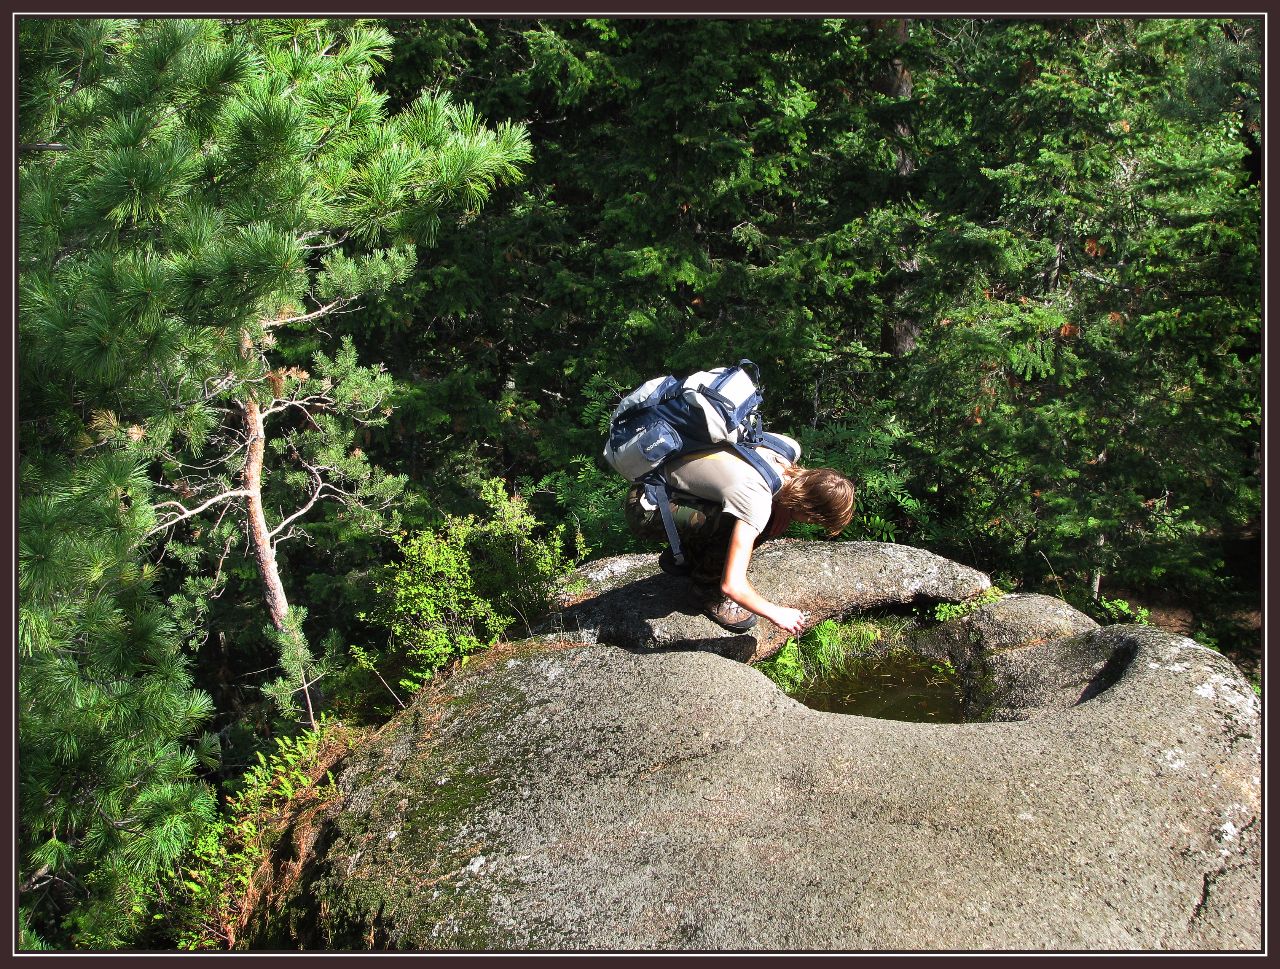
column 869, row 666
column 215, row 887
column 947, row 611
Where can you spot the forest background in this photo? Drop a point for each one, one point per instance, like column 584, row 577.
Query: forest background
column 321, row 323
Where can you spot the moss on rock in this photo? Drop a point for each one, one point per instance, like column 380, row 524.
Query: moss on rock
column 389, row 869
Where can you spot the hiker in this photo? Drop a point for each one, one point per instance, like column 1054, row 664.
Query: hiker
column 723, row 509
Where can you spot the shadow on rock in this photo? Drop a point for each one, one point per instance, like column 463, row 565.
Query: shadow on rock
column 657, row 612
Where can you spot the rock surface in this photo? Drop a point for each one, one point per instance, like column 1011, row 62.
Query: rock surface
column 633, row 604
column 1013, row 658
column 600, row 799
column 634, row 799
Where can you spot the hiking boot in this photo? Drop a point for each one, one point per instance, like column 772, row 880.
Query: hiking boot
column 730, row 615
column 667, row 562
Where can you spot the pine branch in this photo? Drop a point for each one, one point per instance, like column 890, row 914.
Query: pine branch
column 319, row 488
column 219, row 463
column 302, row 403
column 189, row 513
column 222, row 384
column 330, row 245
column 36, row 880
column 337, row 304
column 226, row 550
column 1105, row 282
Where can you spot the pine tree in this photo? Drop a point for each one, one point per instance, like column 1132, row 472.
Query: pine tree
column 107, row 797
column 190, row 193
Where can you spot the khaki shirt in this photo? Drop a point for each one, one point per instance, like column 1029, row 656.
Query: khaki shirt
column 723, row 477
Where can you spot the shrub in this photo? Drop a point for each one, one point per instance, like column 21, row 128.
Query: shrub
column 456, row 589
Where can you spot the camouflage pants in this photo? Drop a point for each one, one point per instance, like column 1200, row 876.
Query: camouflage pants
column 703, row 527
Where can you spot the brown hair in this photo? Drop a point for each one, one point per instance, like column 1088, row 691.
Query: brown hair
column 820, row 495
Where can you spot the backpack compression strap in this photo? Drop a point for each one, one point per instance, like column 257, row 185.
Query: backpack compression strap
column 658, row 491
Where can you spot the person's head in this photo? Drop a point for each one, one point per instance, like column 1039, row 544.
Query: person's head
column 820, row 496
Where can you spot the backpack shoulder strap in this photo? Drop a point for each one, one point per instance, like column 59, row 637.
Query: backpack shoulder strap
column 779, row 444
column 658, row 491
column 753, row 458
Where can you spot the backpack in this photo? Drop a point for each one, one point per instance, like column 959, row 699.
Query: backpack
column 666, row 418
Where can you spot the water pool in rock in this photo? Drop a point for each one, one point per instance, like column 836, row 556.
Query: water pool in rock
column 900, row 686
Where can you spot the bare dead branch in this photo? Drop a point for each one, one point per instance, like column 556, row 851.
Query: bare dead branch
column 322, row 487
column 328, row 245
column 337, row 304
column 222, row 384
column 226, row 550
column 220, row 462
column 315, row 400
column 191, row 512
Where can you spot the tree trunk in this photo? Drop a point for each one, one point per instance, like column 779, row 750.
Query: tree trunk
column 260, row 538
column 895, row 82
column 898, row 333
column 1095, row 580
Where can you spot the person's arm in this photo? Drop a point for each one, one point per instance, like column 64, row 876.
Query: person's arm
column 736, row 586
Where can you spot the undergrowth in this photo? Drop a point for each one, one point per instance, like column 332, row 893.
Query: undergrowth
column 947, row 611
column 211, row 893
column 453, row 591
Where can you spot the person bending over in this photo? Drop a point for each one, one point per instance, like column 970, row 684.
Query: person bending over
column 723, row 509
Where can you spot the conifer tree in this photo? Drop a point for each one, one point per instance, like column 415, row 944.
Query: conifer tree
column 1086, row 401
column 1051, row 226
column 190, row 192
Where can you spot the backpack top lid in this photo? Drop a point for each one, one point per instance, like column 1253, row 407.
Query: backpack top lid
column 667, row 417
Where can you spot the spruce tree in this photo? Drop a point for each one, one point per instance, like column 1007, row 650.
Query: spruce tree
column 1086, row 402
column 1005, row 272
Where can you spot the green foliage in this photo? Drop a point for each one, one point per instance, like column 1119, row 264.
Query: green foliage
column 946, row 611
column 1006, row 274
column 205, row 895
column 945, row 668
column 1067, row 382
column 291, row 692
column 824, row 651
column 591, row 498
column 865, row 449
column 519, row 570
column 457, row 588
column 197, row 198
column 786, row 667
column 1119, row 611
column 109, row 722
column 429, row 604
column 686, row 244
